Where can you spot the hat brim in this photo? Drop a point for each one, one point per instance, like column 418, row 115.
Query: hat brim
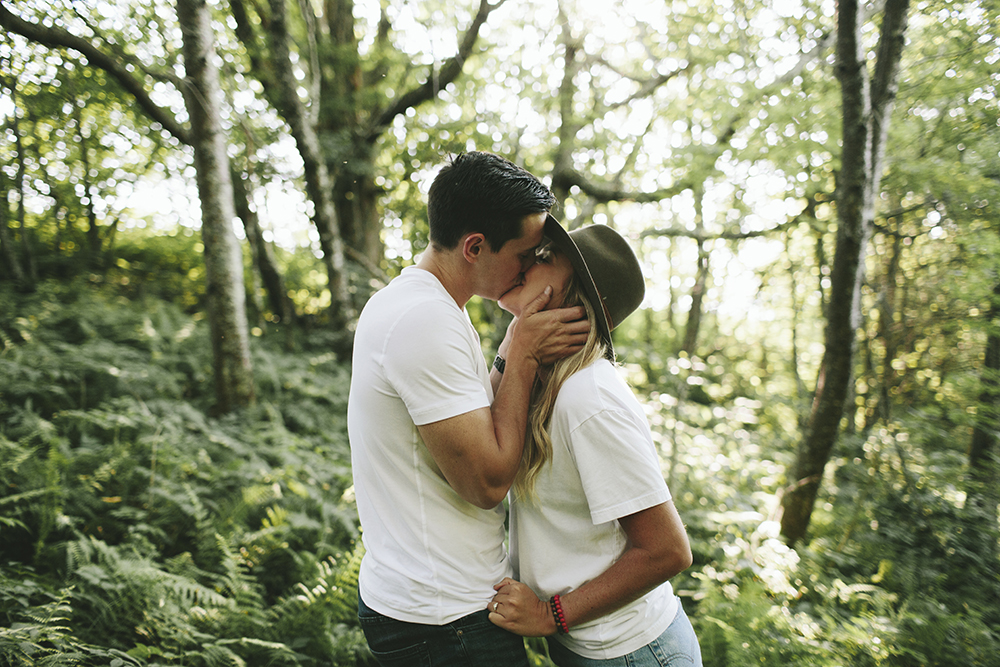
column 556, row 233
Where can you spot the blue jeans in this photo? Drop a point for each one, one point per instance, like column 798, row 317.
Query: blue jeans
column 471, row 641
column 676, row 647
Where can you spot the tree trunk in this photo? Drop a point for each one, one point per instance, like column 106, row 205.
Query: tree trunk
column 866, row 110
column 568, row 125
column 319, row 185
column 793, row 362
column 852, row 237
column 93, row 232
column 339, row 143
column 11, row 261
column 671, row 293
column 982, row 487
column 263, row 254
column 821, row 265
column 353, row 165
column 889, row 331
column 693, row 327
column 357, row 207
column 27, row 252
column 234, row 386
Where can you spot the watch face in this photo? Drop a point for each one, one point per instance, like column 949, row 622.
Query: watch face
column 499, row 363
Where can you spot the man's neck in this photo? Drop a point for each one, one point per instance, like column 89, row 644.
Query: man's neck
column 449, row 269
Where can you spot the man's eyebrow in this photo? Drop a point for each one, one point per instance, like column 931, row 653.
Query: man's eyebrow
column 545, row 248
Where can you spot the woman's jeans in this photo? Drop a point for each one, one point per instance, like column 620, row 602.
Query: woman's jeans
column 471, row 641
column 676, row 647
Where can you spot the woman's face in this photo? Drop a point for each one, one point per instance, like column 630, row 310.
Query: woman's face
column 551, row 267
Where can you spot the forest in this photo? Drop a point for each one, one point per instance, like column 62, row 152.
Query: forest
column 199, row 196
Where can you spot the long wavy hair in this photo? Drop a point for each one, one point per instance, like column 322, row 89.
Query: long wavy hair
column 538, row 444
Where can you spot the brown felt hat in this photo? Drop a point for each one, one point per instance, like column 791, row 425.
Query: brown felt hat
column 607, row 268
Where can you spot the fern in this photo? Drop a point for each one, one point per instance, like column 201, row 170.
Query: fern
column 321, row 617
column 43, row 636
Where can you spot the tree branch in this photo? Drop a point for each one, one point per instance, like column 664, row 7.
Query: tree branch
column 567, row 176
column 633, row 155
column 314, row 74
column 261, row 61
column 806, row 214
column 159, row 75
column 885, row 80
column 436, row 80
column 815, row 53
column 727, row 236
column 604, row 192
column 649, row 86
column 112, row 64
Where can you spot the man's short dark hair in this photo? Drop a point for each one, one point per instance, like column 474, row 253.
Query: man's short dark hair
column 485, row 193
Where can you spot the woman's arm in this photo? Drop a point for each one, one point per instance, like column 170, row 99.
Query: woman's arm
column 658, row 549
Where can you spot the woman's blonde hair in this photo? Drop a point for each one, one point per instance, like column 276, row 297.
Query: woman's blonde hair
column 537, row 443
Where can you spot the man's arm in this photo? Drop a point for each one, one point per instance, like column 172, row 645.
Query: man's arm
column 479, row 451
column 571, row 337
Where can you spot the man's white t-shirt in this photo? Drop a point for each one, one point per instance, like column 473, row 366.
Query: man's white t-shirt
column 604, row 466
column 431, row 557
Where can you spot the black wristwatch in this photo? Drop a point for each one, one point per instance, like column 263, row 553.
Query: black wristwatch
column 499, row 363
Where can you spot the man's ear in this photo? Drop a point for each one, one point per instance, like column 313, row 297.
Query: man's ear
column 473, row 246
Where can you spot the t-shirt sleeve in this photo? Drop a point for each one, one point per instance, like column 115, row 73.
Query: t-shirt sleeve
column 432, row 362
column 618, row 465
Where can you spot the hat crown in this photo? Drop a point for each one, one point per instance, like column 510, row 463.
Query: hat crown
column 614, row 269
column 608, row 270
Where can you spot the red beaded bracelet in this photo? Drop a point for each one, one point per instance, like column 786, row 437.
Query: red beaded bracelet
column 558, row 615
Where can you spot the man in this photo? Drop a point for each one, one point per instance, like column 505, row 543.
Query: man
column 433, row 452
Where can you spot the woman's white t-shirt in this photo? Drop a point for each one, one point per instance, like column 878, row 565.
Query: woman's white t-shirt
column 604, row 466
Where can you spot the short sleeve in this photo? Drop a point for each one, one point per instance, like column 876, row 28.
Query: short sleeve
column 432, row 359
column 618, row 465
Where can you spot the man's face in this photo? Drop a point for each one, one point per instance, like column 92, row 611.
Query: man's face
column 503, row 270
column 553, row 269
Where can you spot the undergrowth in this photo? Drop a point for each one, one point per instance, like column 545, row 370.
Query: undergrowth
column 135, row 529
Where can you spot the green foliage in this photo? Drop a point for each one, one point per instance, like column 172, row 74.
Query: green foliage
column 169, row 267
column 136, row 530
column 35, row 634
column 139, row 531
column 897, row 573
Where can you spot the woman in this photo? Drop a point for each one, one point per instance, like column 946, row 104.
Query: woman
column 594, row 536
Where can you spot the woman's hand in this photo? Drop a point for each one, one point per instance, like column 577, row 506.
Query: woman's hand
column 517, row 609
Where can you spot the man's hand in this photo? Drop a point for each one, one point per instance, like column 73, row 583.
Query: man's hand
column 547, row 335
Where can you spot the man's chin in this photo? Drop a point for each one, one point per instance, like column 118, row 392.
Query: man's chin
column 505, row 304
column 501, row 297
